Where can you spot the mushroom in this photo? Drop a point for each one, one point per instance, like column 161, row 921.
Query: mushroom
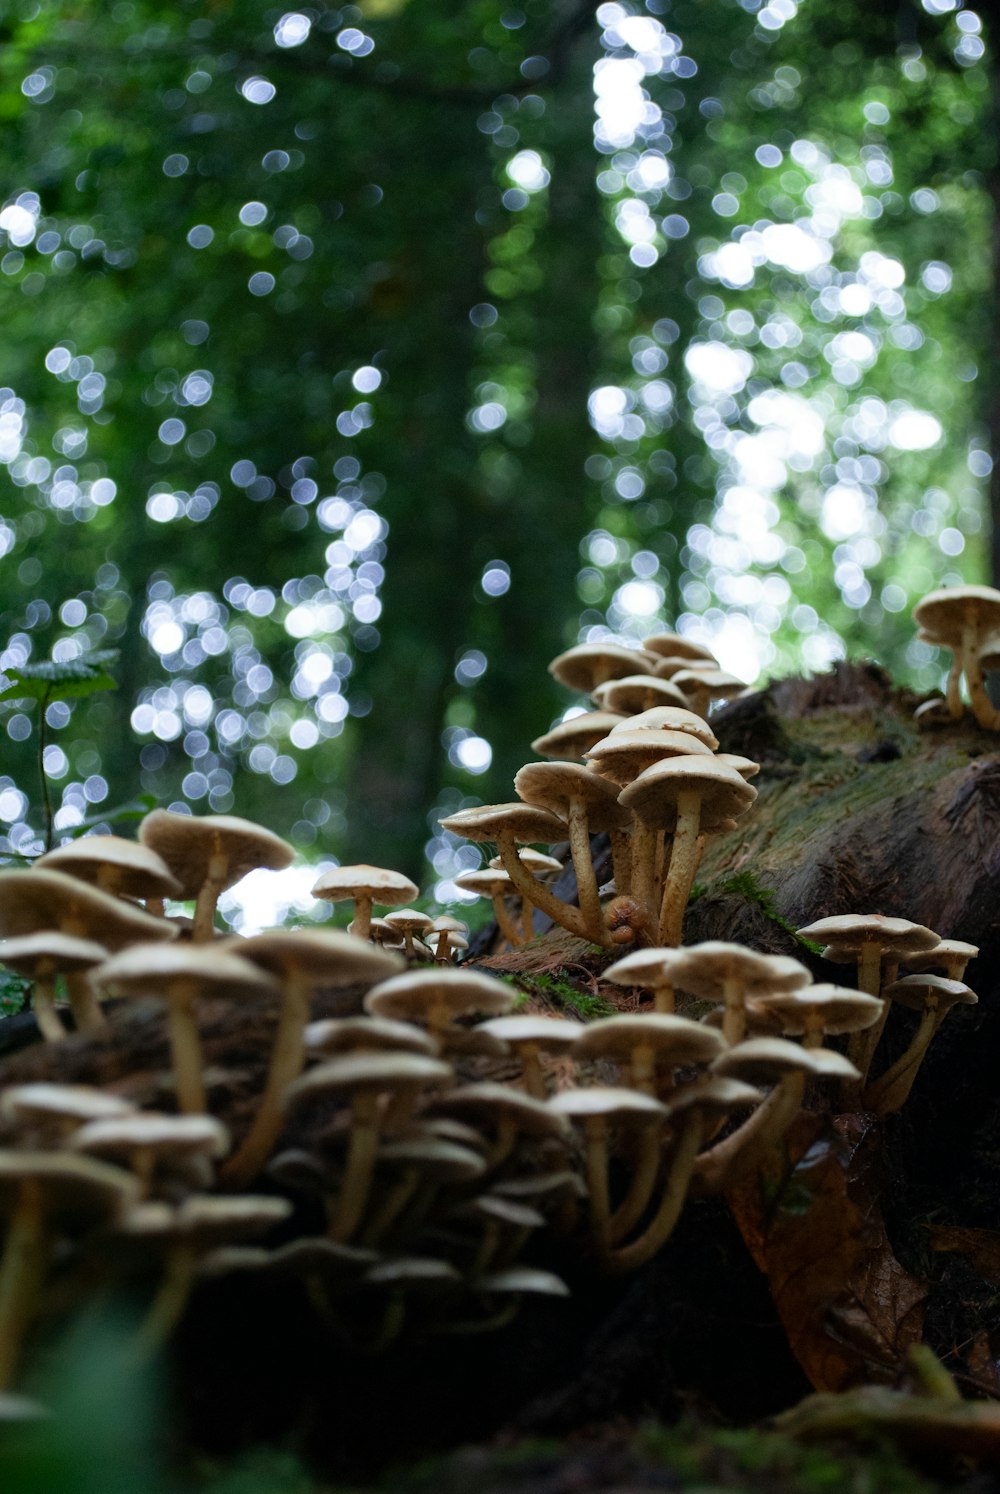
column 689, row 795
column 42, row 957
column 638, row 692
column 679, row 646
column 704, row 686
column 598, row 1110
column 530, row 1036
column 143, row 1141
column 123, row 868
column 179, row 974
column 589, row 804
column 933, row 996
column 962, row 618
column 569, row 740
column 495, row 884
column 437, row 996
column 208, row 853
column 813, row 1011
column 651, row 968
column 411, row 923
column 588, row 665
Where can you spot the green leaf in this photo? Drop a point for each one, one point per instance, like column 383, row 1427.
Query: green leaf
column 123, row 814
column 52, row 679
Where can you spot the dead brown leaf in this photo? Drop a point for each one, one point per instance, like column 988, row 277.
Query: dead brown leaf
column 812, row 1221
column 980, row 1247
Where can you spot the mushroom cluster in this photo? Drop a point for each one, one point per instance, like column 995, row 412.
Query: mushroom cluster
column 643, row 768
column 406, row 1131
column 966, row 621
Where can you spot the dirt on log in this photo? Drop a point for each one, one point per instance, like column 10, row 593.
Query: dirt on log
column 857, row 811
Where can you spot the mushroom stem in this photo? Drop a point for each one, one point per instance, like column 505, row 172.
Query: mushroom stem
column 44, row 1001
column 208, row 896
column 646, row 844
column 621, row 859
column 732, row 1157
column 640, row 1188
column 287, row 1062
column 982, row 707
column 891, row 1090
column 167, row 1307
column 392, row 1206
column 185, row 1045
column 953, row 689
column 531, row 1071
column 361, row 919
column 583, row 866
column 660, row 1227
column 505, row 924
column 359, row 1167
column 22, row 1271
column 682, row 868
column 734, row 1017
column 542, row 897
column 596, row 1128
column 527, row 919
column 84, row 1004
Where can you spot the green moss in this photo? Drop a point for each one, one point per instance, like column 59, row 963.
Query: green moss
column 560, row 993
column 744, row 884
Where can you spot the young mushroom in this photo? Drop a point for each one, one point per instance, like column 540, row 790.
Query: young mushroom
column 42, row 957
column 933, row 996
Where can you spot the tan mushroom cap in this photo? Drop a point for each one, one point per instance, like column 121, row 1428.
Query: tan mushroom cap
column 675, row 1040
column 942, row 614
column 670, row 718
column 717, row 1095
column 160, row 970
column 570, row 739
column 553, row 786
column 526, row 822
column 677, row 645
column 325, row 957
column 623, row 755
column 116, row 865
column 49, row 953
column 461, row 992
column 542, row 867
column 383, row 1072
column 846, row 934
column 611, row 1103
column 765, row 1060
column 193, row 846
column 646, row 967
column 716, row 682
column 203, row 1222
column 936, row 991
column 703, row 969
column 177, row 1135
column 589, row 664
column 43, row 1100
column 638, row 692
column 488, row 882
column 389, row 889
column 443, row 1161
column 550, row 1034
column 947, row 954
column 495, row 1102
column 834, row 1009
column 76, row 1193
column 653, row 795
column 409, row 920
column 412, row 1273
column 346, row 1034
column 744, row 766
column 39, row 899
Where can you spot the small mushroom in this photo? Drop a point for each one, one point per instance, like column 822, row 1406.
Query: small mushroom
column 209, row 853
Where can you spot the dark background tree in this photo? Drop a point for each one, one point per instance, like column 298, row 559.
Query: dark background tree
column 347, row 381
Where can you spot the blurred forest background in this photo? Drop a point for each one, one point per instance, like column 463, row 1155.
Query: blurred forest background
column 357, row 360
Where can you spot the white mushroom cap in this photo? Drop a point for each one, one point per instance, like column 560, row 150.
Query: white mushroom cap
column 389, row 889
column 125, row 867
column 418, row 992
column 570, row 739
column 192, row 845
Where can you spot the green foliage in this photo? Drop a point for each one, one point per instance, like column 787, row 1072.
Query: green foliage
column 744, row 884
column 53, row 679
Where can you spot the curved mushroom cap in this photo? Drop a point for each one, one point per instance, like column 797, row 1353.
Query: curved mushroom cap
column 765, row 1060
column 442, row 1161
column 40, row 899
column 345, row 1034
column 125, row 867
column 159, row 970
column 526, row 822
column 488, row 882
column 933, row 714
column 653, row 795
column 324, row 957
column 553, row 786
column 944, row 613
column 518, row 1279
column 197, row 847
column 703, row 969
column 717, row 1095
column 949, row 955
column 846, row 935
column 492, row 1103
column 412, row 1273
column 646, row 967
column 389, row 889
column 744, row 766
column 460, row 992
column 610, row 1103
column 935, row 992
column 75, row 1193
column 49, row 953
column 623, row 755
column 549, row 1034
column 638, row 692
column 546, row 868
column 590, row 664
column 670, row 718
column 675, row 1040
column 179, row 1135
column 59, row 1103
column 835, row 1009
column 717, row 684
column 676, row 645
column 352, row 1072
column 409, row 921
column 203, row 1222
column 570, row 739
